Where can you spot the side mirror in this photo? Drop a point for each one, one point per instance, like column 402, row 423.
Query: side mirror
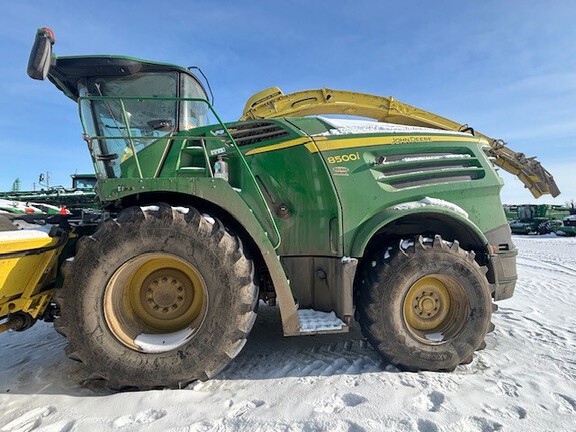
column 41, row 54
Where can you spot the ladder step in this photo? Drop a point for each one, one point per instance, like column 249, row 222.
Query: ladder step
column 193, row 149
column 192, row 169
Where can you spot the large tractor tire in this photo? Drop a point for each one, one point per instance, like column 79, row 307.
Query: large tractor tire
column 425, row 305
column 158, row 297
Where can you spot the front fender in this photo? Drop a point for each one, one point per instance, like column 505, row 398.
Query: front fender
column 426, row 207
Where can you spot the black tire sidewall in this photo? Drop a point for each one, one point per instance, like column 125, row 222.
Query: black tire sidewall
column 393, row 281
column 108, row 251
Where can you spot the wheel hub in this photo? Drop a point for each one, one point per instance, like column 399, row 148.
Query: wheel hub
column 166, row 294
column 427, row 304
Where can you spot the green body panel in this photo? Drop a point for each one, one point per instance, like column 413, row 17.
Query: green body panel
column 150, row 159
column 327, row 194
column 330, row 205
column 302, row 198
column 366, row 199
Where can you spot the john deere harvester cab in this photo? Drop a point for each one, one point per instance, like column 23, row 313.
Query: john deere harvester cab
column 398, row 225
column 126, row 105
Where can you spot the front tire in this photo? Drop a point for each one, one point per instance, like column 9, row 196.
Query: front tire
column 425, row 305
column 158, row 297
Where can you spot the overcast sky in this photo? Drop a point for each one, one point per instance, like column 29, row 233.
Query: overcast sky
column 507, row 68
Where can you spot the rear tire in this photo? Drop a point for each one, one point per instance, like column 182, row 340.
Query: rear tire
column 158, row 297
column 426, row 305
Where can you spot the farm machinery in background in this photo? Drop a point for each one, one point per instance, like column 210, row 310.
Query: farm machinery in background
column 568, row 227
column 541, row 219
column 396, row 223
column 53, row 200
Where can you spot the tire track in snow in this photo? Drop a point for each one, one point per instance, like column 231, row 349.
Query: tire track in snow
column 30, row 420
column 268, row 354
column 532, row 263
column 325, row 359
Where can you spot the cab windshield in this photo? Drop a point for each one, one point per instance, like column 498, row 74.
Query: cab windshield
column 124, row 115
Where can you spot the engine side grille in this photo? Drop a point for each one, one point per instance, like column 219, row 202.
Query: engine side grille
column 256, row 132
column 402, row 171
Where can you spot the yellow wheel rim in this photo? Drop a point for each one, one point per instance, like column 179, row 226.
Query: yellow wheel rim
column 427, row 304
column 435, row 308
column 154, row 294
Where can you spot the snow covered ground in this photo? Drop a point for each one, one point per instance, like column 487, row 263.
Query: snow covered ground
column 524, row 381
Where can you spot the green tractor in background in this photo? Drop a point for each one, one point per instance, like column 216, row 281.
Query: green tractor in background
column 540, row 219
column 533, row 219
column 397, row 224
